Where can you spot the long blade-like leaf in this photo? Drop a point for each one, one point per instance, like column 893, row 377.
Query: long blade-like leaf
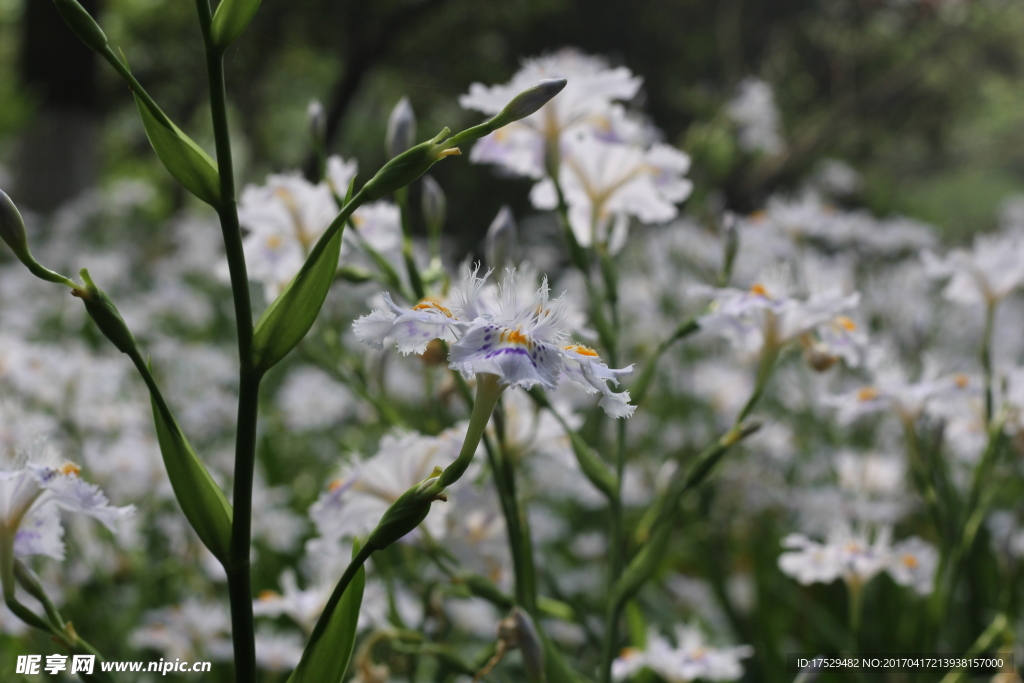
column 326, row 659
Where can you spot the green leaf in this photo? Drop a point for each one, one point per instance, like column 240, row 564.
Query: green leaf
column 286, row 321
column 325, row 659
column 202, row 501
column 183, row 158
column 231, row 19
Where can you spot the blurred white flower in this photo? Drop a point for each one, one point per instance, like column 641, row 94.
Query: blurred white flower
column 690, row 659
column 310, row 399
column 754, row 112
column 191, row 630
column 992, row 269
column 585, row 103
column 278, row 650
column 767, row 317
column 892, row 391
column 608, row 183
column 363, row 490
column 913, row 563
column 284, row 219
column 847, row 553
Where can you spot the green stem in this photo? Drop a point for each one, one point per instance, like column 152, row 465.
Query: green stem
column 639, row 388
column 237, row 566
column 854, row 593
column 516, row 525
column 402, row 199
column 488, row 390
column 986, row 357
column 238, row 570
column 612, row 618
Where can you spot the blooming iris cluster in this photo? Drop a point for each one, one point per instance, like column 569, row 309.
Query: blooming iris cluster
column 287, row 215
column 690, row 660
column 492, row 331
column 601, row 157
column 854, row 557
column 765, row 318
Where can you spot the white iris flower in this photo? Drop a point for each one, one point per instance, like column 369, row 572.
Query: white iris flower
column 493, row 331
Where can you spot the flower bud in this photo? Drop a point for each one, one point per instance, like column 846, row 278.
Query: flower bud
column 105, row 314
column 529, row 644
column 434, row 206
column 12, row 232
column 317, row 121
column 401, row 129
column 408, row 166
column 12, row 229
column 405, row 514
column 818, row 356
column 501, row 243
column 522, row 105
column 528, row 101
column 82, row 23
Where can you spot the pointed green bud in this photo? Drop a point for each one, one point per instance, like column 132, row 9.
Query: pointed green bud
column 105, row 314
column 529, row 644
column 12, row 229
column 405, row 514
column 82, row 23
column 408, row 166
column 502, row 243
column 401, row 133
column 231, row 19
column 522, row 105
column 435, row 206
column 528, row 101
column 12, row 232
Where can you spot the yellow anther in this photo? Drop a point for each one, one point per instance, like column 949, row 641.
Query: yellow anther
column 274, row 241
column 581, row 349
column 909, row 561
column 431, row 305
column 268, row 595
column 336, row 484
column 516, row 337
column 867, row 394
column 961, row 380
column 759, row 290
column 70, row 468
column 846, row 323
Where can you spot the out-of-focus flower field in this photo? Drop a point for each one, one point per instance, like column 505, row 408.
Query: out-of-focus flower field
column 690, row 404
